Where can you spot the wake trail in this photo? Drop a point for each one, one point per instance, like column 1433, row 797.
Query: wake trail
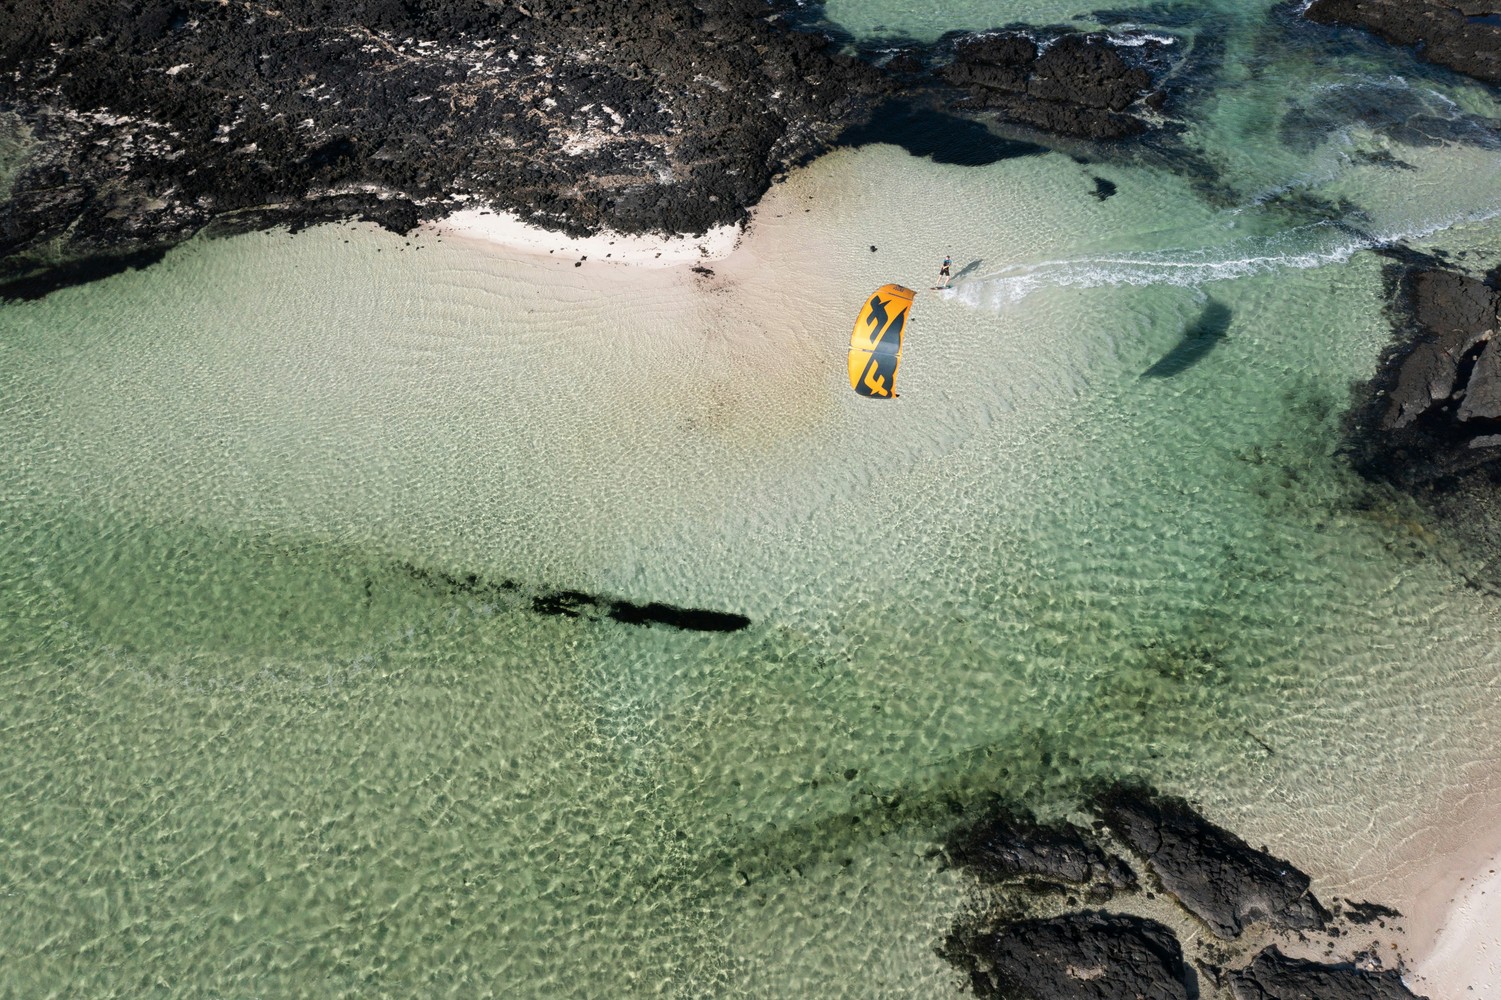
column 1311, row 246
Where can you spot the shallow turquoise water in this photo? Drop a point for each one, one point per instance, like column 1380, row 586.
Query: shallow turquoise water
column 260, row 749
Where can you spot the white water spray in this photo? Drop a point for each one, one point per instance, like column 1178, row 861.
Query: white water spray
column 1311, row 246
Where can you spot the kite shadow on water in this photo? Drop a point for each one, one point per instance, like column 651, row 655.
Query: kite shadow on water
column 1198, row 340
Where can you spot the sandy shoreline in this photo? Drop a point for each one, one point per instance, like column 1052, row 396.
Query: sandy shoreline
column 1444, row 878
column 502, row 229
column 1454, row 926
column 1465, row 958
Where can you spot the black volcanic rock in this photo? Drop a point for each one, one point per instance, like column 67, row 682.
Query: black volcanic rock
column 146, row 120
column 1089, row 71
column 1274, row 976
column 1079, row 84
column 1214, row 874
column 1433, row 411
column 143, row 122
column 1005, row 847
column 1464, row 35
column 1002, row 62
column 1078, row 956
column 1454, row 313
column 1011, row 942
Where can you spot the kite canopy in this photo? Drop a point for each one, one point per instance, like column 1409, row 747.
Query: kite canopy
column 876, row 344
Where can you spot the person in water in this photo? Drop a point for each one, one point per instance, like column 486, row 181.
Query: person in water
column 943, row 272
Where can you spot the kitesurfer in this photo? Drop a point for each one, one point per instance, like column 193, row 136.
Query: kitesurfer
column 943, row 271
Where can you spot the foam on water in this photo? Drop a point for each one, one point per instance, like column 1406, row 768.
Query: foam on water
column 927, row 20
column 1321, row 244
column 1016, row 282
column 1465, row 183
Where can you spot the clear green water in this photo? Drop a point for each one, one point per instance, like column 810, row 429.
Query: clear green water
column 250, row 753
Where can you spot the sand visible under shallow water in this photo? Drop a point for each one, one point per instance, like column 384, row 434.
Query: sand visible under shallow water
column 267, row 707
column 1449, row 889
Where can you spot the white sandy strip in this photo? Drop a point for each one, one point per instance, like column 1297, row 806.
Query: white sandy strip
column 509, row 232
column 1446, row 881
column 1464, row 959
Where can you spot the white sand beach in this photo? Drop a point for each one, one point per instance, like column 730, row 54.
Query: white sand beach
column 1442, row 872
column 1455, row 928
column 651, row 250
column 1466, row 955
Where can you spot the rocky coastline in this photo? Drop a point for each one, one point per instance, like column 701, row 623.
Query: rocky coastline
column 1432, row 415
column 136, row 132
column 1057, row 912
column 144, row 129
column 1428, row 422
column 1464, row 35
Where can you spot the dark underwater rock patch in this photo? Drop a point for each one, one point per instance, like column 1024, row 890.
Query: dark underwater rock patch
column 1274, row 976
column 1089, row 955
column 1396, row 108
column 1463, row 35
column 1006, row 847
column 1214, row 874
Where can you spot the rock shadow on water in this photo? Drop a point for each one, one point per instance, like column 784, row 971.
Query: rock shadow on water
column 39, row 282
column 945, row 137
column 1202, row 336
